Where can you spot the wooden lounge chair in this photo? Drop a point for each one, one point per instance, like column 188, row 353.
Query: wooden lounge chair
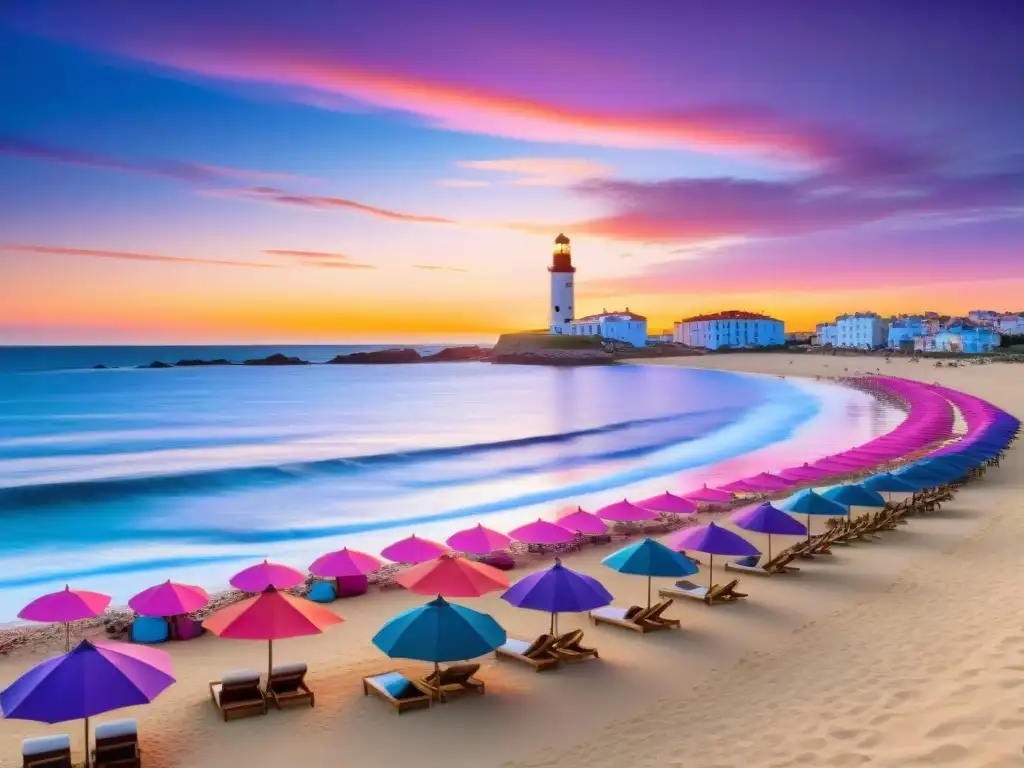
column 716, row 594
column 537, row 654
column 47, row 752
column 453, row 681
column 628, row 618
column 117, row 745
column 287, row 685
column 778, row 564
column 656, row 616
column 238, row 694
column 567, row 647
column 398, row 690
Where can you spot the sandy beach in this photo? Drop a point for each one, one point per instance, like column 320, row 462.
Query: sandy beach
column 903, row 651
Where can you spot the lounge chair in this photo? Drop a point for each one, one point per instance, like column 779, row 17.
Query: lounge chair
column 537, row 654
column 287, row 685
column 238, row 694
column 322, row 592
column 453, row 681
column 149, row 629
column 751, row 565
column 778, row 564
column 568, row 648
column 398, row 690
column 716, row 594
column 117, row 745
column 47, row 752
column 657, row 618
column 628, row 618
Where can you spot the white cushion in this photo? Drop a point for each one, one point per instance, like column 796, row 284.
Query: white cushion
column 127, row 727
column 289, row 669
column 241, row 676
column 41, row 744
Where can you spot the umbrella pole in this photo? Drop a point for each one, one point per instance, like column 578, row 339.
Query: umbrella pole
column 711, row 572
column 87, row 742
column 270, row 662
column 67, row 638
column 648, row 591
column 769, row 547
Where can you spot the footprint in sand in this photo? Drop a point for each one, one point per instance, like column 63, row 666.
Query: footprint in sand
column 843, row 734
column 870, row 741
column 945, row 754
column 879, row 719
column 847, row 760
column 1009, row 723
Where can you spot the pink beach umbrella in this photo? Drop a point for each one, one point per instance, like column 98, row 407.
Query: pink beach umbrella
column 64, row 607
column 668, row 502
column 586, row 523
column 478, row 541
column 413, row 549
column 169, row 599
column 625, row 512
column 542, row 533
column 707, row 495
column 263, row 576
column 344, row 563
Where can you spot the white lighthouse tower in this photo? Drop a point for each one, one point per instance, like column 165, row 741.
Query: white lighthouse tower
column 562, row 292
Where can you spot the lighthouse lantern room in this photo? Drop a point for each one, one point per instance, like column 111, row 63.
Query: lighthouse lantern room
column 562, row 300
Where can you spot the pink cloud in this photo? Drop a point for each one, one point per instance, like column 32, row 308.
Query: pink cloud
column 438, row 268
column 125, row 255
column 326, row 202
column 323, row 259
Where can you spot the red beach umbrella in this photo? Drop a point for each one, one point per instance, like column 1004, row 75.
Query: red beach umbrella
column 450, row 576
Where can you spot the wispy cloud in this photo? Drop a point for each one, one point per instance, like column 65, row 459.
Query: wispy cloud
column 326, row 202
column 52, row 250
column 325, row 259
column 541, row 171
column 438, row 268
column 463, row 183
column 196, row 173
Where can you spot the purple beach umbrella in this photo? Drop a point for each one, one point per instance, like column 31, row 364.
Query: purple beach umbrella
column 583, row 522
column 712, row 540
column 542, row 533
column 707, row 495
column 262, row 576
column 625, row 512
column 413, row 549
column 670, row 503
column 557, row 590
column 766, row 519
column 66, row 606
column 344, row 563
column 478, row 540
column 91, row 679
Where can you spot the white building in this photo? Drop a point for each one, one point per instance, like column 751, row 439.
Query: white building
column 861, row 330
column 969, row 341
column 1010, row 325
column 732, row 328
column 983, row 316
column 826, row 333
column 622, row 326
column 904, row 330
column 562, row 291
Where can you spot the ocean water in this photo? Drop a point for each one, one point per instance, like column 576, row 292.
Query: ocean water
column 117, row 479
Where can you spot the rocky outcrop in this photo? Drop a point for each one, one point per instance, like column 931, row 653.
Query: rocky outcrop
column 157, row 364
column 381, row 356
column 458, row 355
column 100, row 367
column 195, row 363
column 550, row 349
column 277, row 359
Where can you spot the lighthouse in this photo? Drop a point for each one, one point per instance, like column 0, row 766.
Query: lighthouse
column 562, row 270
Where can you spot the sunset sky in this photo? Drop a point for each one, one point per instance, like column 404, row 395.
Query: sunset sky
column 329, row 170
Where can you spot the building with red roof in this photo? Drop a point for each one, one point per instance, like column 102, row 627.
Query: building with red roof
column 732, row 328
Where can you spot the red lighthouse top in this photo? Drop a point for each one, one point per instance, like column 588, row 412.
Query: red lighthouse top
column 561, row 258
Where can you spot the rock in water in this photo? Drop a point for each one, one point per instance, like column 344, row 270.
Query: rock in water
column 378, row 356
column 458, row 355
column 193, row 363
column 157, row 364
column 276, row 359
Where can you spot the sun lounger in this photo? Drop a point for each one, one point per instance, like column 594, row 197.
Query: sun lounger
column 717, row 593
column 396, row 689
column 453, row 681
column 628, row 618
column 149, row 629
column 568, row 648
column 287, row 685
column 656, row 616
column 117, row 745
column 238, row 694
column 47, row 752
column 537, row 654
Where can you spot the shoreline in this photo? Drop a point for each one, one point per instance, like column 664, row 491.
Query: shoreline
column 730, row 667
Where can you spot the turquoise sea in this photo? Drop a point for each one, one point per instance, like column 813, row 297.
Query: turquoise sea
column 117, row 479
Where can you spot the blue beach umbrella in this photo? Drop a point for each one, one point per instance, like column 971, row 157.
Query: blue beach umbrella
column 923, row 476
column 649, row 558
column 440, row 631
column 557, row 590
column 811, row 503
column 890, row 484
column 854, row 496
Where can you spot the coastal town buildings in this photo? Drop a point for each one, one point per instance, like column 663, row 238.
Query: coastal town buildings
column 826, row 334
column 732, row 328
column 860, row 330
column 624, row 326
column 904, row 330
column 1010, row 325
column 961, row 339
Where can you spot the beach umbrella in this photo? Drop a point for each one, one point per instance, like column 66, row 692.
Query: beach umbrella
column 738, row 486
column 803, row 474
column 762, row 483
column 413, row 549
column 766, row 519
column 542, row 533
column 65, row 606
column 169, row 599
column 440, row 631
column 707, row 495
column 478, row 541
column 557, row 590
column 625, row 512
column 890, row 484
column 94, row 678
column 670, row 503
column 265, row 575
column 450, row 576
column 712, row 540
column 583, row 522
column 854, row 496
column 649, row 558
column 271, row 615
column 343, row 564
